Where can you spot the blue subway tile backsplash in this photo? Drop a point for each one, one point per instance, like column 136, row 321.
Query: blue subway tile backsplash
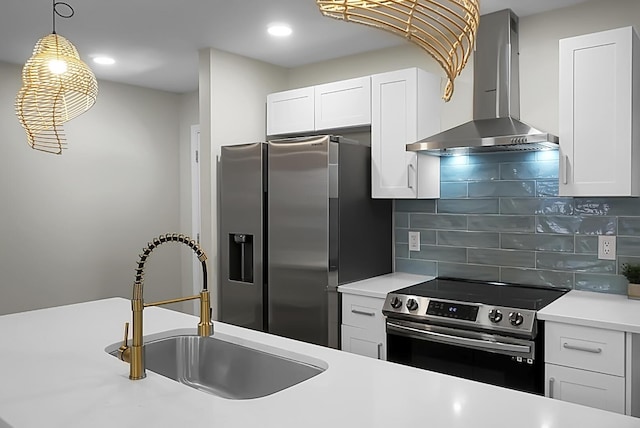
column 548, row 206
column 469, row 206
column 454, row 190
column 502, row 223
column 502, row 257
column 499, row 218
column 441, row 253
column 418, row 267
column 469, row 271
column 529, row 170
column 468, row 239
column 473, row 172
column 629, row 226
column 438, row 221
column 628, row 245
column 545, row 188
column 484, row 189
column 426, row 236
column 537, row 242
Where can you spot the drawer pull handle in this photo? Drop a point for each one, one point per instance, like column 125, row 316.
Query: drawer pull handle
column 379, row 351
column 551, row 382
column 369, row 314
column 582, row 348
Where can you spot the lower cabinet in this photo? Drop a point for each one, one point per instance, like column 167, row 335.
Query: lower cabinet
column 602, row 391
column 363, row 342
column 363, row 326
column 587, row 366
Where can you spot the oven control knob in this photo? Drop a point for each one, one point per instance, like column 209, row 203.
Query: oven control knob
column 516, row 318
column 396, row 302
column 412, row 305
column 495, row 316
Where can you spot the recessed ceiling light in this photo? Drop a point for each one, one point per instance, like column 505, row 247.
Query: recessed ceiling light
column 279, row 30
column 104, row 60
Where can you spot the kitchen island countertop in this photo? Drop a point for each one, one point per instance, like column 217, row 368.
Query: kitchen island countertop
column 54, row 372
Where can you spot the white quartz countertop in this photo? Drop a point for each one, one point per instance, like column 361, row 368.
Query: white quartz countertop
column 54, row 372
column 379, row 286
column 610, row 311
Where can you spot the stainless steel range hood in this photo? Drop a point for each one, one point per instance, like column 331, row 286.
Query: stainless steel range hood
column 496, row 98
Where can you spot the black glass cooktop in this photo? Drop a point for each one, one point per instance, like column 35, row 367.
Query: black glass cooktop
column 491, row 293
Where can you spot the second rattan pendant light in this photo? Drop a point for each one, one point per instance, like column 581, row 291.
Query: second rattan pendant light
column 446, row 29
column 57, row 86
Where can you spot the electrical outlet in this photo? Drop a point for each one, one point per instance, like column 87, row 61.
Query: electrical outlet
column 414, row 241
column 606, row 247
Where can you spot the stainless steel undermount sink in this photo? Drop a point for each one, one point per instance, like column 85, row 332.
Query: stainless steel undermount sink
column 221, row 367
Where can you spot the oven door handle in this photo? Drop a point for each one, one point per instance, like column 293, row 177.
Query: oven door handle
column 457, row 340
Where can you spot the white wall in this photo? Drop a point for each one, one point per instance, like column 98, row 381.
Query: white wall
column 233, row 92
column 72, row 226
column 188, row 117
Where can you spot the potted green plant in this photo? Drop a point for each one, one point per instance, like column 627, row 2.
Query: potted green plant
column 632, row 272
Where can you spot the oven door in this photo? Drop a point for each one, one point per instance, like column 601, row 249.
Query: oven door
column 498, row 360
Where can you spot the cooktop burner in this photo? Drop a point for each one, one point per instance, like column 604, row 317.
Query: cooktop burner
column 490, row 293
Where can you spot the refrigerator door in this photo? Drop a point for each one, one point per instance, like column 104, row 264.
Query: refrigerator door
column 241, row 239
column 298, row 247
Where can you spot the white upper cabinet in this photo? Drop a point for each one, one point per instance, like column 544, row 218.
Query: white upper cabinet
column 335, row 105
column 291, row 112
column 343, row 104
column 405, row 107
column 599, row 126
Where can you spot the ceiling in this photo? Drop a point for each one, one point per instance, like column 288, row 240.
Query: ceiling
column 155, row 42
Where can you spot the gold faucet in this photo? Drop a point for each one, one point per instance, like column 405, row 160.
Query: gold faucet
column 134, row 354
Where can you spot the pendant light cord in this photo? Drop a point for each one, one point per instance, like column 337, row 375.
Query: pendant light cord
column 69, row 13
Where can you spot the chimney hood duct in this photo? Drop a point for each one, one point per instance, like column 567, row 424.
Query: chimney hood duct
column 496, row 98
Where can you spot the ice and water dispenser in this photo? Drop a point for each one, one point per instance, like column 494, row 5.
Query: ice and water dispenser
column 241, row 257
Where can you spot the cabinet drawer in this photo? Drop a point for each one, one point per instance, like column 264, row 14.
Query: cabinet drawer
column 362, row 311
column 602, row 391
column 586, row 348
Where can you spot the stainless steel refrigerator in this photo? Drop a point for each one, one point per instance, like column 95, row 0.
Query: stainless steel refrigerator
column 297, row 220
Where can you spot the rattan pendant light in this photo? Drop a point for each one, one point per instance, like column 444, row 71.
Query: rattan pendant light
column 446, row 29
column 56, row 87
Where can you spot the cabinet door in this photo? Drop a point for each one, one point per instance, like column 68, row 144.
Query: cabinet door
column 363, row 342
column 405, row 107
column 290, row 112
column 584, row 387
column 343, row 104
column 597, row 85
column 393, row 125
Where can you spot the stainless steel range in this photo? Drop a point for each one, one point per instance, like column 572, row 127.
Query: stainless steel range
column 483, row 331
